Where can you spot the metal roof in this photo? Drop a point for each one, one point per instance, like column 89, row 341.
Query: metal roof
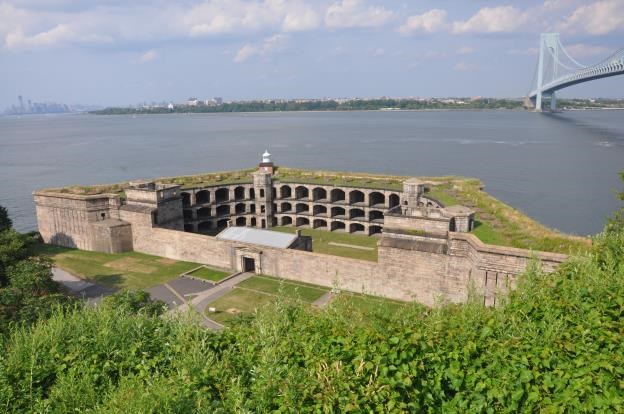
column 258, row 236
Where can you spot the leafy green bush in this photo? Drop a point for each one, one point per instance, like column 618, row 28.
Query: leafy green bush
column 554, row 345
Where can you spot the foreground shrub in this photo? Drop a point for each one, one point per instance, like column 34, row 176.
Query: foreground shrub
column 554, row 346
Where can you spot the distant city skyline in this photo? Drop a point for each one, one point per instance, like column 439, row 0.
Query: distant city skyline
column 115, row 53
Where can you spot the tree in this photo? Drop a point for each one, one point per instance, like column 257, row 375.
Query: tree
column 135, row 302
column 5, row 220
column 13, row 248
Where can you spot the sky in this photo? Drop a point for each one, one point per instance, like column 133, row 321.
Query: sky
column 120, row 52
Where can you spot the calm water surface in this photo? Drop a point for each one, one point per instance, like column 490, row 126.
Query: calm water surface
column 560, row 168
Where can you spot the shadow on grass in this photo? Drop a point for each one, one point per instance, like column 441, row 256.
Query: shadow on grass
column 113, row 281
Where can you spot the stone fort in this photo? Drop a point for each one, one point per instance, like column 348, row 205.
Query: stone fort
column 425, row 250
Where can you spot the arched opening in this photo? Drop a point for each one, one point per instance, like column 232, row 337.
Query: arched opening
column 286, row 221
column 319, row 193
column 356, row 228
column 222, row 195
column 452, row 224
column 188, row 215
column 393, row 200
column 241, row 221
column 202, row 197
column 203, row 213
column 263, row 225
column 338, row 226
column 253, row 222
column 301, row 193
column 252, row 208
column 318, row 223
column 239, row 193
column 285, row 191
column 302, row 221
column 374, row 230
column 223, row 210
column 356, row 196
column 186, row 199
column 188, row 228
column 376, row 216
column 252, row 193
column 204, row 227
column 302, row 208
column 319, row 210
column 336, row 195
column 338, row 212
column 376, row 199
column 221, row 224
column 240, row 208
column 286, row 207
column 356, row 214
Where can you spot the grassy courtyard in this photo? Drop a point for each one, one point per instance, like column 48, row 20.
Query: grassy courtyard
column 129, row 270
column 337, row 244
column 254, row 293
column 208, row 273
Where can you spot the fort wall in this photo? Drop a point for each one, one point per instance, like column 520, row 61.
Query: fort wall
column 421, row 259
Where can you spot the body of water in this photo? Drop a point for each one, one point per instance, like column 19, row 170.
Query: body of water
column 558, row 168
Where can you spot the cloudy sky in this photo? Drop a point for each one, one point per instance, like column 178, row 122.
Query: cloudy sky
column 111, row 52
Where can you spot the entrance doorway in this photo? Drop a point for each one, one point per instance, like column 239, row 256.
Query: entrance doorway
column 249, row 264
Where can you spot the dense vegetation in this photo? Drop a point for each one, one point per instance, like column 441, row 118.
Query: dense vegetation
column 554, row 345
column 324, row 105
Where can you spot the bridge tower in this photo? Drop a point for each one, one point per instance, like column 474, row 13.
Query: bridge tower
column 549, row 43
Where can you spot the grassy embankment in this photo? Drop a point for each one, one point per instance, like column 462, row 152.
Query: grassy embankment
column 129, row 270
column 497, row 223
column 554, row 345
column 255, row 293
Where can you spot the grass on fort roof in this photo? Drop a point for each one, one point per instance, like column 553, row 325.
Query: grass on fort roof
column 257, row 291
column 130, row 270
column 321, row 240
column 500, row 224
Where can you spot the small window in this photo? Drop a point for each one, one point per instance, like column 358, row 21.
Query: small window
column 261, row 192
column 103, row 215
column 262, row 209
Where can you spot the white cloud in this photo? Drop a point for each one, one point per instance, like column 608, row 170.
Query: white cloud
column 492, row 20
column 57, row 35
column 465, row 66
column 598, row 18
column 148, row 56
column 465, row 50
column 428, row 22
column 226, row 16
column 377, row 52
column 585, row 50
column 354, row 13
column 266, row 47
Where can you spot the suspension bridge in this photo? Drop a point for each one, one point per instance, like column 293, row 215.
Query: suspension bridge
column 556, row 70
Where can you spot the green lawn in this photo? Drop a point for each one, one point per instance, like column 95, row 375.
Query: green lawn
column 208, row 273
column 287, row 288
column 257, row 291
column 322, row 238
column 129, row 270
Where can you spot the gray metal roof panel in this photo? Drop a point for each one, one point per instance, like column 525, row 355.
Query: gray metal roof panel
column 258, row 236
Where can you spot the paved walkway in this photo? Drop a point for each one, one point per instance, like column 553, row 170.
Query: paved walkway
column 173, row 293
column 201, row 301
column 90, row 291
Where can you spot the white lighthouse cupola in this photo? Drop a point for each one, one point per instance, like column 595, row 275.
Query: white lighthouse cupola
column 266, row 166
